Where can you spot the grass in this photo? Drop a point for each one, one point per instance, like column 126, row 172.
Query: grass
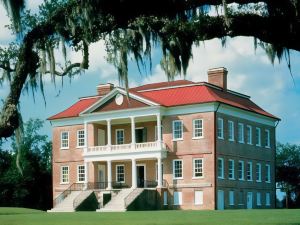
column 17, row 216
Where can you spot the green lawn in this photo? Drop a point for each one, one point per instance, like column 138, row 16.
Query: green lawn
column 228, row 217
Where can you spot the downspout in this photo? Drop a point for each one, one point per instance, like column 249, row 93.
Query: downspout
column 215, row 151
column 274, row 197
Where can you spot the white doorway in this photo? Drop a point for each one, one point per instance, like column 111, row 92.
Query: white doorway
column 220, row 205
column 101, row 137
column 141, row 175
column 249, row 200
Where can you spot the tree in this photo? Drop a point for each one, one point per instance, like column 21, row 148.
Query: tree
column 134, row 27
column 288, row 172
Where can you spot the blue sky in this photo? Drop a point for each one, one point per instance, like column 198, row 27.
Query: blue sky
column 250, row 72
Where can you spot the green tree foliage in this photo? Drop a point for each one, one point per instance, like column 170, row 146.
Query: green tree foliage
column 288, row 172
column 32, row 187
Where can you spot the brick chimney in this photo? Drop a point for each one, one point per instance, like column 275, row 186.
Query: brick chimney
column 218, row 77
column 104, row 89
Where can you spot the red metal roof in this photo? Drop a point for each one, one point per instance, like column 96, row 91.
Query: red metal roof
column 162, row 85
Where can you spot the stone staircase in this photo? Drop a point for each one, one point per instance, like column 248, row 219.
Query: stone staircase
column 67, row 204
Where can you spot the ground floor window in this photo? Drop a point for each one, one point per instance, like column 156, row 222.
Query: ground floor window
column 64, row 174
column 177, row 198
column 120, row 173
column 165, row 198
column 231, row 197
column 268, row 203
column 258, row 199
column 81, row 173
column 241, row 198
column 198, row 197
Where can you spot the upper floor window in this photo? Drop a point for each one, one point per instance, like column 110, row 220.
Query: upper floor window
column 258, row 172
column 241, row 170
column 120, row 173
column 220, row 128
column 220, row 168
column 257, row 136
column 177, row 169
column 81, row 173
column 198, row 168
column 64, row 140
column 231, row 169
column 119, row 136
column 230, row 130
column 268, row 173
column 198, row 128
column 249, row 171
column 249, row 135
column 241, row 133
column 80, row 138
column 64, row 174
column 267, row 138
column 177, row 130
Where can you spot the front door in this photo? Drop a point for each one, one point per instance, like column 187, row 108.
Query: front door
column 220, row 200
column 140, row 173
column 101, row 177
column 249, row 200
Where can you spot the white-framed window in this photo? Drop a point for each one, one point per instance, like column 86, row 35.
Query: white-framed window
column 177, row 130
column 267, row 138
column 231, row 169
column 241, row 197
column 198, row 168
column 249, row 171
column 231, row 197
column 241, row 133
column 198, row 197
column 268, row 199
column 156, row 171
column 165, row 198
column 120, row 173
column 120, row 137
column 221, row 168
column 220, row 128
column 80, row 138
column 258, row 198
column 64, row 174
column 249, row 135
column 257, row 136
column 268, row 173
column 258, row 172
column 80, row 173
column 241, row 170
column 177, row 169
column 230, row 130
column 155, row 133
column 64, row 140
column 198, row 128
column 177, row 198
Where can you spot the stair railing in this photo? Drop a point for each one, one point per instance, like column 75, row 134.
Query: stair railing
column 67, row 192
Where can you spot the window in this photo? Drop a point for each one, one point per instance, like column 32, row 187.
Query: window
column 198, row 128
column 64, row 171
column 221, row 168
column 120, row 173
column 268, row 173
column 249, row 171
column 165, row 198
column 80, row 138
column 241, row 170
column 231, row 197
column 177, row 198
column 80, row 173
column 231, row 169
column 267, row 138
column 177, row 130
column 198, row 198
column 257, row 137
column 258, row 199
column 241, row 133
column 197, row 168
column 268, row 199
column 258, row 172
column 241, row 198
column 119, row 136
column 220, row 129
column 177, row 169
column 230, row 131
column 156, row 171
column 249, row 135
column 155, row 133
column 64, row 143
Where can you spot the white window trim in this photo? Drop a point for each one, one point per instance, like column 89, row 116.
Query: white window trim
column 194, row 177
column 78, row 174
column 268, row 173
column 251, row 171
column 259, row 137
column 243, row 170
column 116, row 134
column 258, row 180
column 221, row 177
column 61, row 147
column 222, row 126
column 242, row 141
column 269, row 138
column 177, row 178
column 231, row 203
column 61, row 175
column 250, row 136
column 200, row 202
column 231, row 139
column 77, row 145
column 233, row 171
column 121, row 182
column 200, row 137
column 173, row 126
column 179, row 202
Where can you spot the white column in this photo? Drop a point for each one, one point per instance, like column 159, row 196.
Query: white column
column 85, row 136
column 109, row 177
column 159, row 173
column 132, row 133
column 86, row 174
column 158, row 120
column 133, row 174
column 108, row 133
